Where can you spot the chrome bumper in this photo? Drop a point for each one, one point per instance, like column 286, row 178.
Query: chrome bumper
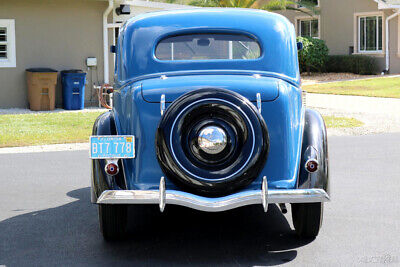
column 244, row 198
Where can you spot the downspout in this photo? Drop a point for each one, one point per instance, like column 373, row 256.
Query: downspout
column 105, row 40
column 387, row 39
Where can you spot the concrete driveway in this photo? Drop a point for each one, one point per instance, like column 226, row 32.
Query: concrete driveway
column 46, row 218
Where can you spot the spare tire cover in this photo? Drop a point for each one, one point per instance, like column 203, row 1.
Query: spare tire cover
column 212, row 142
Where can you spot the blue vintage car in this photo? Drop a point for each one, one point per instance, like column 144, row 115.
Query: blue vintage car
column 208, row 114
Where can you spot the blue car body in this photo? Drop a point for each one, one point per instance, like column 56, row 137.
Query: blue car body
column 139, row 88
column 140, row 118
column 142, row 80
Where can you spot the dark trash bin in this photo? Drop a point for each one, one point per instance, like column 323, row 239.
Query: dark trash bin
column 73, row 88
column 41, row 88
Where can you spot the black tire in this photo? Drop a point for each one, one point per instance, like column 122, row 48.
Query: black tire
column 113, row 221
column 307, row 218
column 198, row 172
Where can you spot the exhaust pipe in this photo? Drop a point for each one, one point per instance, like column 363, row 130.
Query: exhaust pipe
column 283, row 208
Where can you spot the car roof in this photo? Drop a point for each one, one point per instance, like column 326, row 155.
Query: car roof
column 140, row 35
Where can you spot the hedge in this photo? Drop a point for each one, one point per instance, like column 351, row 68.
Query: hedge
column 314, row 55
column 357, row 64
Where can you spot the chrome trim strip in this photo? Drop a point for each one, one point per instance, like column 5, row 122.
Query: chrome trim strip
column 162, row 104
column 162, row 194
column 264, row 193
column 236, row 200
column 294, row 81
column 258, row 96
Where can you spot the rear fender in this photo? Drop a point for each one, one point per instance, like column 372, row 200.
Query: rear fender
column 314, row 145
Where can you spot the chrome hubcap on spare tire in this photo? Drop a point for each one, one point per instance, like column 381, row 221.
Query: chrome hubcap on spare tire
column 212, row 140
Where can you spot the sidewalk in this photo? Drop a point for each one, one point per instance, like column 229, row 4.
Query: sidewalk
column 355, row 104
column 45, row 148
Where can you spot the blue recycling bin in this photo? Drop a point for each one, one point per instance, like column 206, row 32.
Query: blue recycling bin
column 73, row 89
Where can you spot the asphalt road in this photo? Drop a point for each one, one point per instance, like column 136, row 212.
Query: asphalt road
column 46, row 218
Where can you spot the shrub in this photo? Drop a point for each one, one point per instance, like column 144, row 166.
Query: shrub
column 357, row 64
column 314, row 55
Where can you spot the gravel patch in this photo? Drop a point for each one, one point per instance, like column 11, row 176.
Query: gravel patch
column 379, row 115
column 58, row 110
column 373, row 123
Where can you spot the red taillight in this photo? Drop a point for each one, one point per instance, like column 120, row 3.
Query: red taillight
column 112, row 168
column 312, row 165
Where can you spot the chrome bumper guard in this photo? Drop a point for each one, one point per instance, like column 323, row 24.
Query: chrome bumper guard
column 249, row 197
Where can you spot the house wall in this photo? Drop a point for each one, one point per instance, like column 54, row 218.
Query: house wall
column 58, row 34
column 338, row 26
column 339, row 30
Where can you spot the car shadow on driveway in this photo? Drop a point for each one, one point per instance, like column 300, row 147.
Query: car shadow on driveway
column 69, row 235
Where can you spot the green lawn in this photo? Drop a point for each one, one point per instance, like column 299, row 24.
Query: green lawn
column 341, row 122
column 377, row 87
column 72, row 127
column 46, row 128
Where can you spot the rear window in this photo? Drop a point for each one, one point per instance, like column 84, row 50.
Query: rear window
column 208, row 47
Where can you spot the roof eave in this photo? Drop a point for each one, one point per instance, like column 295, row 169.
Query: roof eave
column 385, row 5
column 152, row 4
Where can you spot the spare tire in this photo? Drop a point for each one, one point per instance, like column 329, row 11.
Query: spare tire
column 212, row 142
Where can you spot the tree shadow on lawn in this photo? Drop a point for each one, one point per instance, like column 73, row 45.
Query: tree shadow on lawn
column 69, row 235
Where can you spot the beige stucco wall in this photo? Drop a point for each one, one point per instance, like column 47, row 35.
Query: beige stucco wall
column 58, row 34
column 338, row 28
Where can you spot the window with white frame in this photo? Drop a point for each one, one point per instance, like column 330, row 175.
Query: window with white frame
column 308, row 28
column 7, row 43
column 370, row 34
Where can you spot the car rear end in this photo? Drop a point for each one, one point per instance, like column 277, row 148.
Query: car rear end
column 213, row 116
